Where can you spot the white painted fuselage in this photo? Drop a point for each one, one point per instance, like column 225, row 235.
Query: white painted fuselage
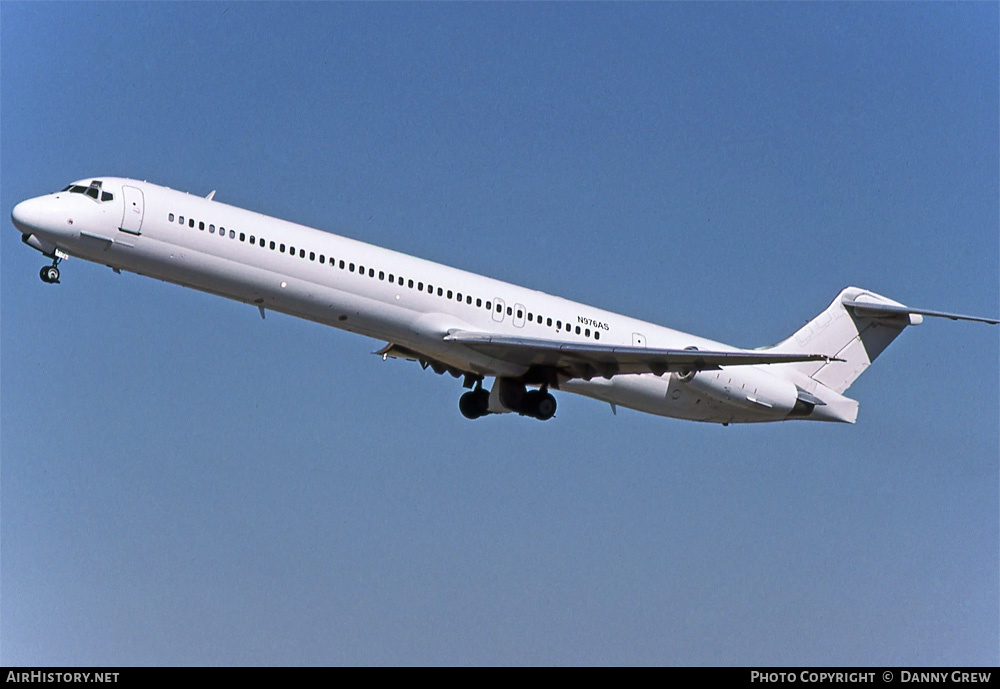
column 414, row 305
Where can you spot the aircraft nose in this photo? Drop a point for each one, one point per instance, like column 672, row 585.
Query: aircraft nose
column 29, row 216
column 21, row 215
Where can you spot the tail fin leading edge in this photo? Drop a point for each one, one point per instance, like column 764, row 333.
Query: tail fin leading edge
column 855, row 328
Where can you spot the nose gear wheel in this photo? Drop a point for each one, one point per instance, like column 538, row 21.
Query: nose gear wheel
column 50, row 274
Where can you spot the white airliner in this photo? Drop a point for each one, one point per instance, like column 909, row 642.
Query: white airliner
column 465, row 324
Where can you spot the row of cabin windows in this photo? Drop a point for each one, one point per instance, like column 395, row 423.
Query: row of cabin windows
column 393, row 279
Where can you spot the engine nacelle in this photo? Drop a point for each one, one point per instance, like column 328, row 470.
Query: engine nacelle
column 746, row 387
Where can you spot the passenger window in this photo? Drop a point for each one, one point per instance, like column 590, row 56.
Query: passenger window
column 171, row 216
column 322, row 258
column 262, row 241
column 211, row 229
column 548, row 322
column 587, row 332
column 253, row 240
column 190, row 222
column 341, row 265
column 479, row 302
column 281, row 248
column 440, row 292
column 489, row 307
column 180, row 220
column 302, row 253
column 201, row 226
column 381, row 275
column 352, row 267
column 520, row 313
column 409, row 283
column 577, row 330
column 468, row 300
column 597, row 334
column 232, row 234
column 510, row 311
column 371, row 272
column 243, row 237
column 449, row 294
column 312, row 255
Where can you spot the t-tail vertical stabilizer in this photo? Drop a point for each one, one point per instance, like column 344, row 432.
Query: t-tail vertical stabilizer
column 855, row 329
column 857, row 326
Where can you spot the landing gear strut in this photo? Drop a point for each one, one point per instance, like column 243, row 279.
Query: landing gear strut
column 50, row 274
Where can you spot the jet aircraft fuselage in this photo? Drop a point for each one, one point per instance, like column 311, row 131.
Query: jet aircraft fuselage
column 457, row 322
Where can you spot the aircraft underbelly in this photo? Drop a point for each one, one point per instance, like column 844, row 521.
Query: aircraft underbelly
column 664, row 396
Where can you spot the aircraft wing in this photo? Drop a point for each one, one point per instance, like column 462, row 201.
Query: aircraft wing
column 589, row 360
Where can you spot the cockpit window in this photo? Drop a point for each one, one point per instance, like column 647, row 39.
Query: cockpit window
column 94, row 191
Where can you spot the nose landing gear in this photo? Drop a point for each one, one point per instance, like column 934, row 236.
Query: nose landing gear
column 50, row 274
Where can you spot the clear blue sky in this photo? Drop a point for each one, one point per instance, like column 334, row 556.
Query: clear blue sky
column 183, row 483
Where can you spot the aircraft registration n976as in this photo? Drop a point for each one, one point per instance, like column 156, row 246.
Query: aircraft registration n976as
column 461, row 323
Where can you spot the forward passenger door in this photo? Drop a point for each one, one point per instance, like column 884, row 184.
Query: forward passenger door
column 133, row 211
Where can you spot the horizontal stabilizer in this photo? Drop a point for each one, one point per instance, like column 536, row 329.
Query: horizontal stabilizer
column 875, row 310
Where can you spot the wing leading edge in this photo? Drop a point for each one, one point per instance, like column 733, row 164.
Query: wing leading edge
column 586, row 360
